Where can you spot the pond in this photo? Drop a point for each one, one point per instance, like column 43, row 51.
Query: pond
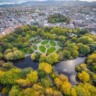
column 68, row 68
column 26, row 62
column 64, row 67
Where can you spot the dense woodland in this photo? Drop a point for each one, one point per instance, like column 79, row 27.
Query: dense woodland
column 44, row 81
column 58, row 18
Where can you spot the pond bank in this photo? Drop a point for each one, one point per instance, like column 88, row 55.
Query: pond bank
column 68, row 68
column 65, row 67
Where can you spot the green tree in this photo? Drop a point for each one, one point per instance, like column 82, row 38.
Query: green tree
column 83, row 49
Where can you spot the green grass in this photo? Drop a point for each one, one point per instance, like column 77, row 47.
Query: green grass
column 34, row 47
column 52, row 43
column 42, row 49
column 44, row 42
column 51, row 50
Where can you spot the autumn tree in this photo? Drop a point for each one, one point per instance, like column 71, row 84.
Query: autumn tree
column 1, row 55
column 32, row 77
column 92, row 62
column 11, row 76
column 83, row 76
column 52, row 58
column 15, row 91
column 66, row 88
column 45, row 67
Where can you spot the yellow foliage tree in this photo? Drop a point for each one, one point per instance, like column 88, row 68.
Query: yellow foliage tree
column 22, row 82
column 63, row 77
column 33, row 56
column 32, row 77
column 45, row 67
column 84, row 76
column 58, row 82
column 1, row 74
column 73, row 92
column 49, row 92
column 66, row 88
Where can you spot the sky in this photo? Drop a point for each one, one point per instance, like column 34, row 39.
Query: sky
column 2, row 2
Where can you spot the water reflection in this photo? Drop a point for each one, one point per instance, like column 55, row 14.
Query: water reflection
column 64, row 67
column 26, row 62
column 68, row 68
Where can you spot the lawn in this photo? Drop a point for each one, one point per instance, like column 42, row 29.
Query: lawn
column 44, row 42
column 52, row 43
column 42, row 49
column 46, row 46
column 51, row 49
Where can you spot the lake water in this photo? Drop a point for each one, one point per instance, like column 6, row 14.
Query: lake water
column 68, row 68
column 26, row 62
column 64, row 67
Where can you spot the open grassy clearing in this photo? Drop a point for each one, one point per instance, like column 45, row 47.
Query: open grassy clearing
column 44, row 42
column 42, row 49
column 51, row 50
column 52, row 43
column 46, row 46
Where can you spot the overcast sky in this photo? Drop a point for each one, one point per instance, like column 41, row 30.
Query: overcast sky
column 22, row 1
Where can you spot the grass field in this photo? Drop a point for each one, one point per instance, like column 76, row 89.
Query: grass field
column 42, row 49
column 51, row 50
column 46, row 46
column 44, row 42
column 52, row 43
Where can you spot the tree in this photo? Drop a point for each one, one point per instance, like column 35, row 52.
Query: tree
column 83, row 76
column 83, row 49
column 57, row 18
column 1, row 55
column 57, row 93
column 43, row 58
column 33, row 56
column 45, row 67
column 8, row 65
column 58, row 82
column 52, row 58
column 73, row 92
column 1, row 74
column 85, row 89
column 49, row 91
column 75, row 53
column 41, row 74
column 85, row 40
column 15, row 91
column 13, row 54
column 66, row 88
column 32, row 77
column 91, row 62
column 66, row 54
column 83, row 31
column 63, row 77
column 22, row 82
column 11, row 76
column 46, row 82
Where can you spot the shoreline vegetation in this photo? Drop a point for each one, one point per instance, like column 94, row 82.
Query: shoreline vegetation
column 71, row 43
